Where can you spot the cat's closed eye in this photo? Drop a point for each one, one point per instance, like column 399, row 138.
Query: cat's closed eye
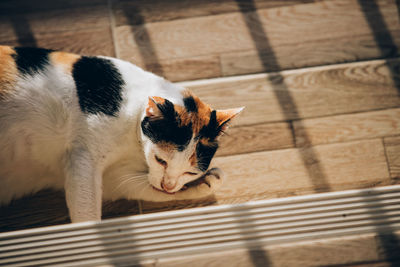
column 161, row 161
column 191, row 173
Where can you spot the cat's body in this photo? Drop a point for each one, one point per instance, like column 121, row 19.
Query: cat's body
column 101, row 128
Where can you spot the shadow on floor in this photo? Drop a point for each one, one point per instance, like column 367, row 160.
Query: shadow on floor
column 282, row 93
column 288, row 106
column 23, row 31
column 383, row 37
column 384, row 41
column 286, row 102
column 143, row 41
column 48, row 207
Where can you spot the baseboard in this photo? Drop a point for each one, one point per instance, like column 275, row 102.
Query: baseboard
column 204, row 230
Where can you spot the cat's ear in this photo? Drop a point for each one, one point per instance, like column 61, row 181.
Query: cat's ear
column 152, row 109
column 226, row 115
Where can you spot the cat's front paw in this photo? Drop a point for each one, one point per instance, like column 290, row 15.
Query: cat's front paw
column 210, row 182
column 213, row 179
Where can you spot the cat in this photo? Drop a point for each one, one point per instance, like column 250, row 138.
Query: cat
column 101, row 128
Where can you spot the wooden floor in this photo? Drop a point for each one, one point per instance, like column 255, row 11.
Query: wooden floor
column 320, row 81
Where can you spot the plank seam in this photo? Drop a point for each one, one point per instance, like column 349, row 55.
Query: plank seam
column 264, row 75
column 112, row 27
column 305, row 147
column 316, row 117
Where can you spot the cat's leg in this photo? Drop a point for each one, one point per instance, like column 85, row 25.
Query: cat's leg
column 83, row 187
column 203, row 187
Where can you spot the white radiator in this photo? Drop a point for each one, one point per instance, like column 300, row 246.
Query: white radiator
column 206, row 229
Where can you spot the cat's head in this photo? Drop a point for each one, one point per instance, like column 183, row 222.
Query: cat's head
column 180, row 141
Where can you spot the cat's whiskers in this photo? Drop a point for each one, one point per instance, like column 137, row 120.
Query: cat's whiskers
column 126, row 185
column 129, row 178
column 146, row 186
column 132, row 176
column 138, row 188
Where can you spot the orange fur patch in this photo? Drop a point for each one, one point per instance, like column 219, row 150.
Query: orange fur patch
column 206, row 142
column 158, row 100
column 152, row 109
column 200, row 118
column 66, row 60
column 167, row 147
column 8, row 70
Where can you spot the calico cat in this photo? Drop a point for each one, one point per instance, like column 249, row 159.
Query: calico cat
column 101, row 128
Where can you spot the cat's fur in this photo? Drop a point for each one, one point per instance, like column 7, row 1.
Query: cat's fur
column 101, row 128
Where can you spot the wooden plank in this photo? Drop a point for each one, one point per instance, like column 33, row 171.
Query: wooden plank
column 352, row 250
column 57, row 20
column 186, row 38
column 260, row 137
column 347, row 127
column 128, row 12
column 344, row 166
column 265, row 175
column 392, row 145
column 332, row 129
column 185, row 69
column 304, row 93
column 91, row 42
column 48, row 207
column 308, row 54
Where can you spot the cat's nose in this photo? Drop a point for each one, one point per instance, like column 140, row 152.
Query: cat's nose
column 168, row 185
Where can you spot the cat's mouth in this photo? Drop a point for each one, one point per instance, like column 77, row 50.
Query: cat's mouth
column 170, row 193
column 197, row 182
column 194, row 183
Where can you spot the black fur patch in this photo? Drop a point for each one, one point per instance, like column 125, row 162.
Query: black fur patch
column 190, row 104
column 213, row 129
column 31, row 60
column 166, row 128
column 210, row 132
column 99, row 85
column 205, row 154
